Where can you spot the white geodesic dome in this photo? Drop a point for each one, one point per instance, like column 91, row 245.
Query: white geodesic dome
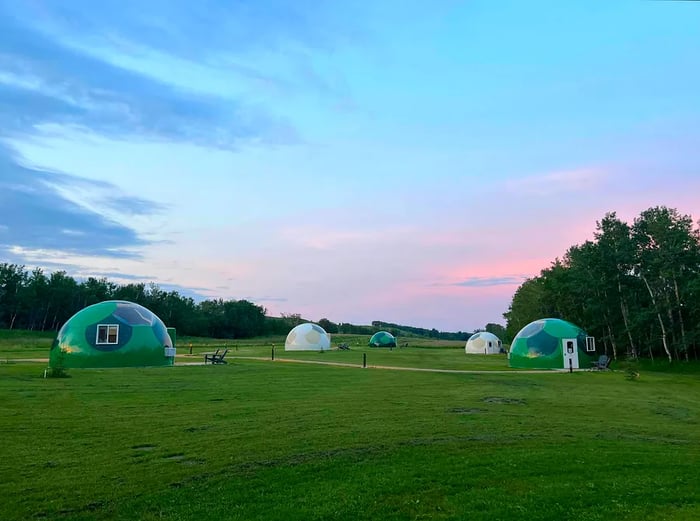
column 307, row 337
column 483, row 343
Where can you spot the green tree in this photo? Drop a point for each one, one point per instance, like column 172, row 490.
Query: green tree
column 636, row 286
column 617, row 257
column 328, row 326
column 65, row 298
column 498, row 330
column 667, row 259
column 37, row 300
column 528, row 304
column 13, row 280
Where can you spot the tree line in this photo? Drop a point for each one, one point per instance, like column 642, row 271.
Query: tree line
column 635, row 287
column 35, row 301
column 402, row 330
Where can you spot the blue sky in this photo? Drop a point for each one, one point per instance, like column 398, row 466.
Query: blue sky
column 359, row 161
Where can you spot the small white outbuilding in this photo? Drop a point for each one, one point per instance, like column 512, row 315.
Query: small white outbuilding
column 483, row 343
column 307, row 337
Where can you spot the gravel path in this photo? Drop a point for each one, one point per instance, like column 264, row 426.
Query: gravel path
column 345, row 364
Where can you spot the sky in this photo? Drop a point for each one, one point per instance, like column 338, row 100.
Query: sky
column 405, row 161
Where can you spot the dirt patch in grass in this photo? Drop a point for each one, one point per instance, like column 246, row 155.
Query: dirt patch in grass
column 197, row 429
column 641, row 437
column 465, row 410
column 174, row 457
column 675, row 413
column 192, row 462
column 503, row 400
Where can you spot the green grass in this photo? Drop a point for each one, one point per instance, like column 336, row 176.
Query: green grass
column 692, row 367
column 277, row 441
column 403, row 357
column 36, row 344
column 25, row 344
column 440, row 354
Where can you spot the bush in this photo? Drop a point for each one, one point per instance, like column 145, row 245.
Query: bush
column 56, row 372
column 631, row 368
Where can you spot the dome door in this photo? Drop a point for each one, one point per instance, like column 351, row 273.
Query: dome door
column 570, row 351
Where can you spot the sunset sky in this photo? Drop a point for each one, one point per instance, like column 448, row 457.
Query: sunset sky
column 404, row 161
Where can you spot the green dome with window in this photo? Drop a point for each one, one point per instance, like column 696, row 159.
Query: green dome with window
column 114, row 333
column 552, row 343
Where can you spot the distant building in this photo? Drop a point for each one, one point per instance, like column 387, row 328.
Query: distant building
column 114, row 333
column 382, row 339
column 483, row 343
column 307, row 337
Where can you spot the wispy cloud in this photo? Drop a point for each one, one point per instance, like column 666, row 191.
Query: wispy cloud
column 171, row 25
column 171, row 70
column 35, row 216
column 45, row 82
column 117, row 275
column 265, row 299
column 195, row 293
column 484, row 282
column 60, row 70
column 552, row 183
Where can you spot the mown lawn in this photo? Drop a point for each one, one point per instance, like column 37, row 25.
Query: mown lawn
column 435, row 358
column 36, row 344
column 25, row 344
column 420, row 353
column 280, row 441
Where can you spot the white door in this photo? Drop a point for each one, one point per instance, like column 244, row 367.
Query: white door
column 570, row 353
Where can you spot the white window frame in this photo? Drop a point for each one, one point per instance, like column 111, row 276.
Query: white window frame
column 108, row 326
column 590, row 344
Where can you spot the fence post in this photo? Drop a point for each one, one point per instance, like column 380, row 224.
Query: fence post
column 364, row 359
column 273, row 352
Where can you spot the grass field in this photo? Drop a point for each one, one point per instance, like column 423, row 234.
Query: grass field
column 279, row 441
column 35, row 344
column 403, row 357
column 25, row 344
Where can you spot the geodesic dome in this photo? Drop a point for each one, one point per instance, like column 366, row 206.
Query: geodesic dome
column 382, row 339
column 114, row 333
column 483, row 343
column 539, row 345
column 307, row 337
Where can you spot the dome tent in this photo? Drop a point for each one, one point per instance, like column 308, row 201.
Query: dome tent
column 483, row 343
column 551, row 343
column 113, row 333
column 307, row 337
column 382, row 339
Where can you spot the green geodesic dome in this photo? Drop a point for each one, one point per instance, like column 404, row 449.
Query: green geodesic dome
column 114, row 333
column 539, row 345
column 382, row 339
